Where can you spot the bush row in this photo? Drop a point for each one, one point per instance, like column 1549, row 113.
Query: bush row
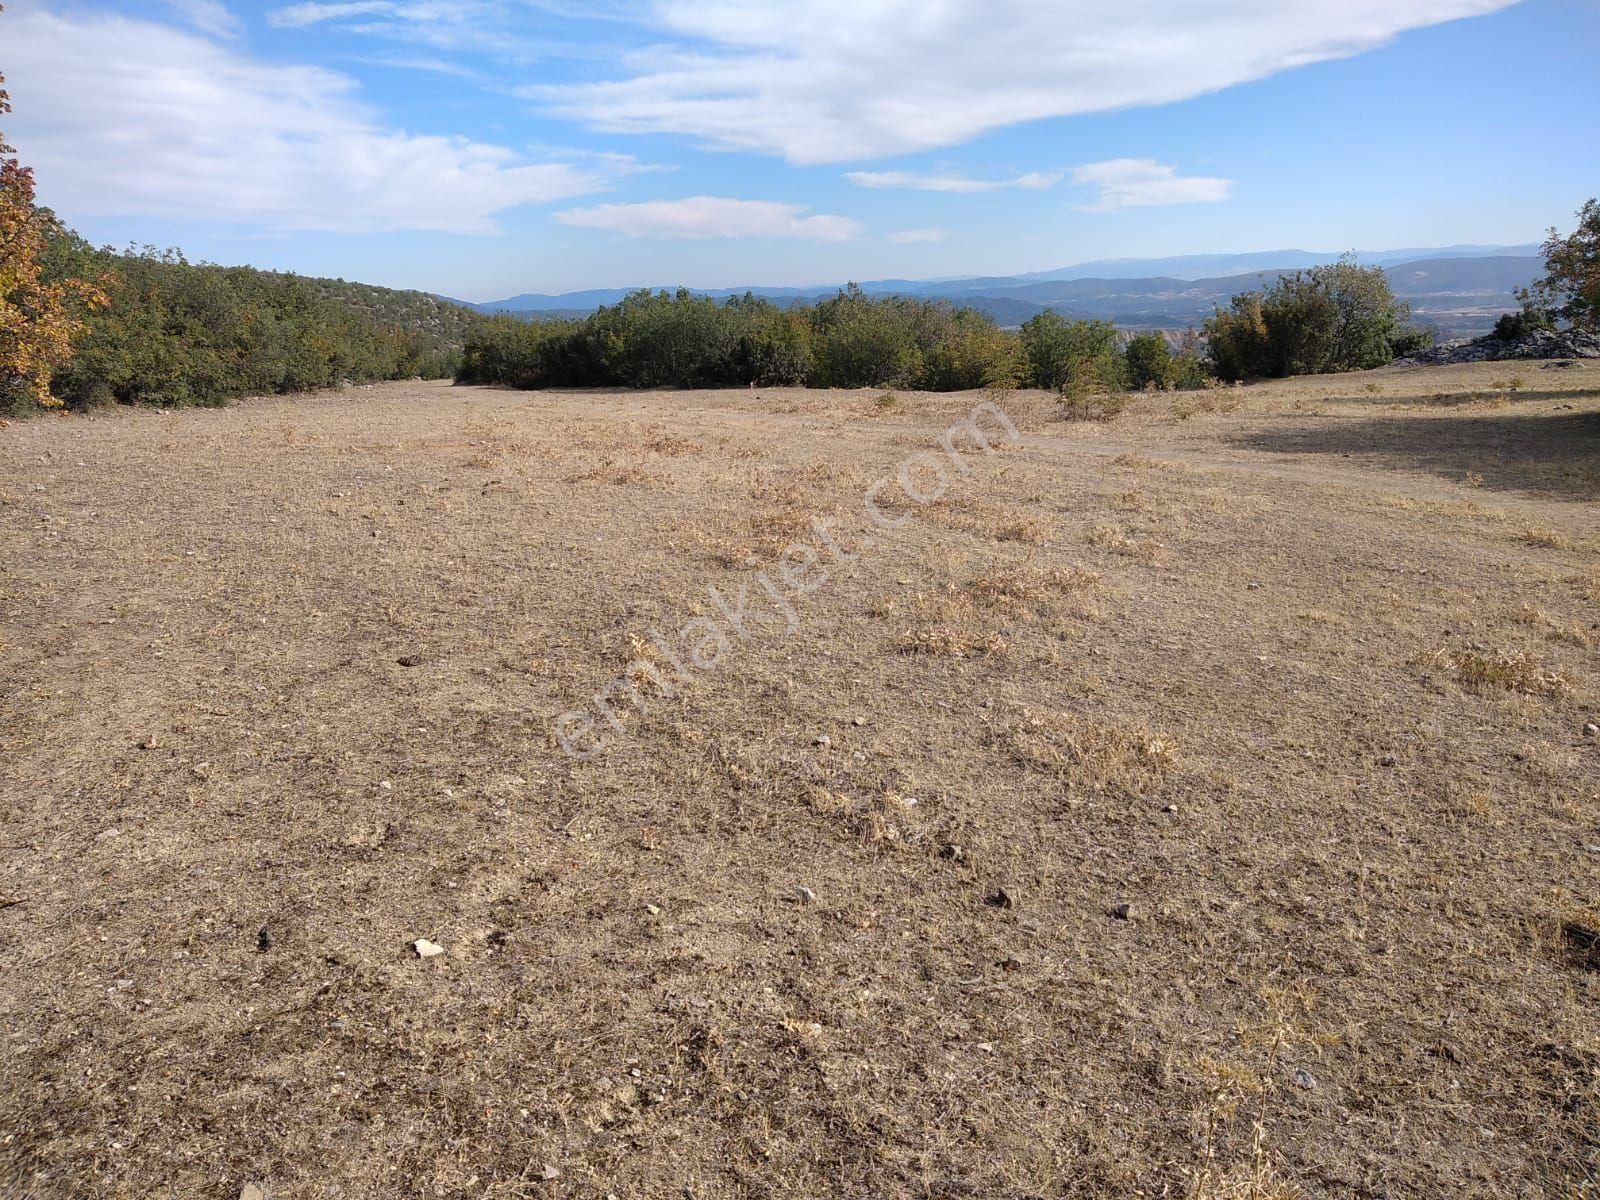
column 662, row 339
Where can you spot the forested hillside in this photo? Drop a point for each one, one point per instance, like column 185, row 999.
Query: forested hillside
column 178, row 333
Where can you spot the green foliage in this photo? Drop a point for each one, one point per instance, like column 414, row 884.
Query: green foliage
column 663, row 339
column 1072, row 357
column 1570, row 288
column 1530, row 318
column 180, row 333
column 1190, row 370
column 1150, row 362
column 1338, row 317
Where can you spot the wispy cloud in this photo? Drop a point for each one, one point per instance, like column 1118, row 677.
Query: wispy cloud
column 914, row 237
column 823, row 81
column 951, row 182
column 301, row 16
column 1144, row 182
column 202, row 131
column 208, row 16
column 712, row 217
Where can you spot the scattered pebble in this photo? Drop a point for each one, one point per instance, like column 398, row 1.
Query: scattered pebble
column 1012, row 963
column 862, row 721
column 953, row 852
column 551, row 1171
column 807, row 896
column 252, row 1191
column 264, row 940
column 653, row 909
column 426, row 949
column 1388, row 760
column 1591, row 729
column 1122, row 911
column 1304, row 1078
column 1169, row 808
column 410, row 660
column 824, row 740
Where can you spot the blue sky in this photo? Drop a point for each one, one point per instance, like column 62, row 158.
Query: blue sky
column 483, row 148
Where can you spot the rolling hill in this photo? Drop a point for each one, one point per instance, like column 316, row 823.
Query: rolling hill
column 1458, row 290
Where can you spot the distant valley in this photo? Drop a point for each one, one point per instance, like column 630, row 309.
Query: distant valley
column 1458, row 290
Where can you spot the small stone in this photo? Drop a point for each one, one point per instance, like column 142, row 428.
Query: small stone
column 1169, row 808
column 806, row 895
column 1000, row 898
column 252, row 1191
column 1388, row 760
column 1012, row 963
column 824, row 740
column 1591, row 729
column 426, row 949
column 859, row 721
column 1122, row 911
column 653, row 909
column 551, row 1171
column 264, row 940
column 410, row 660
column 953, row 852
column 1304, row 1078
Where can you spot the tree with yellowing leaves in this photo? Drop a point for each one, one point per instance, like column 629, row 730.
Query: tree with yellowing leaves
column 37, row 318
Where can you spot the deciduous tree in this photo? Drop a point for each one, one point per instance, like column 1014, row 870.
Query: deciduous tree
column 38, row 319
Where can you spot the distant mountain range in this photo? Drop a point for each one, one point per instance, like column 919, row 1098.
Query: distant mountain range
column 1459, row 290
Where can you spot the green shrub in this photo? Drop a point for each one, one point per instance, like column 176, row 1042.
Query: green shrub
column 1339, row 317
column 1150, row 363
column 1530, row 318
column 1059, row 355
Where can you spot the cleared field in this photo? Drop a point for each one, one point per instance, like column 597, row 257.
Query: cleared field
column 1193, row 804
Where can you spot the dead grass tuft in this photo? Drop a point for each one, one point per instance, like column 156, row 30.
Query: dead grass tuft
column 1115, row 538
column 1507, row 671
column 1091, row 755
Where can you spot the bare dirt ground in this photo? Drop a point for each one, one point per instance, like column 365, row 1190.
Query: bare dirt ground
column 1193, row 804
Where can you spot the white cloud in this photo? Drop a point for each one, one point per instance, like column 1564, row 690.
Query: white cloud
column 711, row 217
column 199, row 131
column 822, row 81
column 951, row 183
column 208, row 16
column 300, row 16
column 1143, row 182
column 913, row 237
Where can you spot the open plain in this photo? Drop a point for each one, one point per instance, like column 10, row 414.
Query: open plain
column 1193, row 803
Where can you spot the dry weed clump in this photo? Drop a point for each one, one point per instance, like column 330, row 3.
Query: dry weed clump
column 1115, row 538
column 1090, row 755
column 671, row 445
column 622, row 474
column 1544, row 539
column 1506, row 671
column 1031, row 588
column 953, row 641
column 1094, row 406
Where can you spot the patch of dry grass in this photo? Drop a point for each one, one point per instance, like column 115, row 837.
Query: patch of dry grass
column 1508, row 671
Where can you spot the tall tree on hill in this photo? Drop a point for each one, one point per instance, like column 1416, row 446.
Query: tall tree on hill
column 1570, row 288
column 38, row 319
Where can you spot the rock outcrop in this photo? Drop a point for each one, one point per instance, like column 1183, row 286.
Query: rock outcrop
column 1540, row 344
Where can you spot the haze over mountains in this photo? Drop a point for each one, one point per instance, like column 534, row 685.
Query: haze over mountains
column 1459, row 290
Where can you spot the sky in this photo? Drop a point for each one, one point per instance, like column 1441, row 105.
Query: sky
column 485, row 148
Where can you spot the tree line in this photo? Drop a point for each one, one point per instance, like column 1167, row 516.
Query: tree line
column 852, row 340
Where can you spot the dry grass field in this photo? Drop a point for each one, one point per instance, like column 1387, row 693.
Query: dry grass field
column 1193, row 804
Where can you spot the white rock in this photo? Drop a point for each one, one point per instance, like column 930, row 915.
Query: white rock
column 426, row 949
